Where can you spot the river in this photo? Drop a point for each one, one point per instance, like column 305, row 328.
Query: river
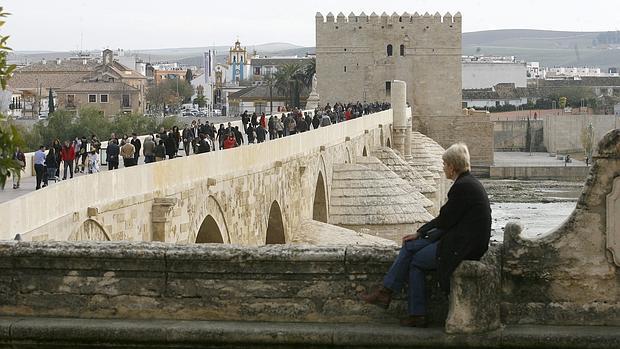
column 540, row 206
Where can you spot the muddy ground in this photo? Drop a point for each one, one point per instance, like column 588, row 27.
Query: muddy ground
column 542, row 191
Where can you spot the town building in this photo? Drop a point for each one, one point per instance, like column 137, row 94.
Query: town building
column 265, row 67
column 239, row 62
column 75, row 82
column 497, row 96
column 481, row 72
column 31, row 84
column 111, row 87
column 534, row 71
column 571, row 72
column 260, row 99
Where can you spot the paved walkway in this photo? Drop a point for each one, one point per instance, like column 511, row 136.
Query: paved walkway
column 524, row 159
column 122, row 333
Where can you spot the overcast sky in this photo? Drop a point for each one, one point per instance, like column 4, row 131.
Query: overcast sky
column 139, row 24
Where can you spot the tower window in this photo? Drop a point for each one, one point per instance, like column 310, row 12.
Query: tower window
column 402, row 50
column 389, row 50
column 388, row 88
column 345, row 68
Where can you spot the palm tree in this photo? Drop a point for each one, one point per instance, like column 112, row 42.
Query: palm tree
column 290, row 77
column 285, row 77
column 308, row 72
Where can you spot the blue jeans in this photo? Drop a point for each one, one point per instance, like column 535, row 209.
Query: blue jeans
column 414, row 258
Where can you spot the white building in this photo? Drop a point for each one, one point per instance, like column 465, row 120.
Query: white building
column 486, row 72
column 534, row 71
column 573, row 72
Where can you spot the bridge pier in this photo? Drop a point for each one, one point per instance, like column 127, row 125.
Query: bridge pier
column 399, row 111
column 162, row 218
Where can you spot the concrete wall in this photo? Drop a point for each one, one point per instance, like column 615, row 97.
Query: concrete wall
column 512, row 135
column 487, row 75
column 563, row 132
column 169, row 200
column 569, row 173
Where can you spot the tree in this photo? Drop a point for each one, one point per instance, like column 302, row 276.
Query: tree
column 50, row 102
column 562, row 102
column 528, row 136
column 290, row 78
column 200, row 98
column 10, row 138
column 189, row 76
column 308, row 72
column 171, row 92
column 283, row 79
column 587, row 140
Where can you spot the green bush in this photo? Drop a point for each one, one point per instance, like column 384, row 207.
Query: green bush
column 66, row 125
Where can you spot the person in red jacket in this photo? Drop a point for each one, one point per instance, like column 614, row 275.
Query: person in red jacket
column 263, row 121
column 230, row 142
column 67, row 155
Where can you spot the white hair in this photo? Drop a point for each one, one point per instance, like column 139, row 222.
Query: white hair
column 458, row 157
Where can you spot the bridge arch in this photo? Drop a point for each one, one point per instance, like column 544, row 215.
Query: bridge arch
column 319, row 206
column 213, row 227
column 209, row 232
column 90, row 230
column 275, row 225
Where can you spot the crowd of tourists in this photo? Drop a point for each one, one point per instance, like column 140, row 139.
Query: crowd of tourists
column 82, row 155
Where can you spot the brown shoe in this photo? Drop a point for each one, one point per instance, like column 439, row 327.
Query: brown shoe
column 414, row 321
column 380, row 297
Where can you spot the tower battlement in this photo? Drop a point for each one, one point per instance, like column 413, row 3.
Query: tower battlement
column 385, row 19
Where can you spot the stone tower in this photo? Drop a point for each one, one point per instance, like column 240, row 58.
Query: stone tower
column 358, row 56
column 238, row 61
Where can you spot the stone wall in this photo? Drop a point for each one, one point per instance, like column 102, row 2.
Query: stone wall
column 568, row 173
column 512, row 135
column 563, row 132
column 475, row 130
column 570, row 276
column 197, row 282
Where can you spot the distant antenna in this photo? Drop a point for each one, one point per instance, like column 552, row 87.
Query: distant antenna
column 81, row 41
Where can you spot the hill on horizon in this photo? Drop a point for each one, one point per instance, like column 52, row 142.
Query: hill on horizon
column 550, row 48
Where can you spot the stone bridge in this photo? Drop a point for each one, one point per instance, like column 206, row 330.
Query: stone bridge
column 251, row 195
column 371, row 174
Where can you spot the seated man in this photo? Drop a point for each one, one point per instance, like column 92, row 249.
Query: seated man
column 461, row 232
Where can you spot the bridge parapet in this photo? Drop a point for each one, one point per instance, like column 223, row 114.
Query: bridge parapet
column 57, row 212
column 148, row 281
column 571, row 276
